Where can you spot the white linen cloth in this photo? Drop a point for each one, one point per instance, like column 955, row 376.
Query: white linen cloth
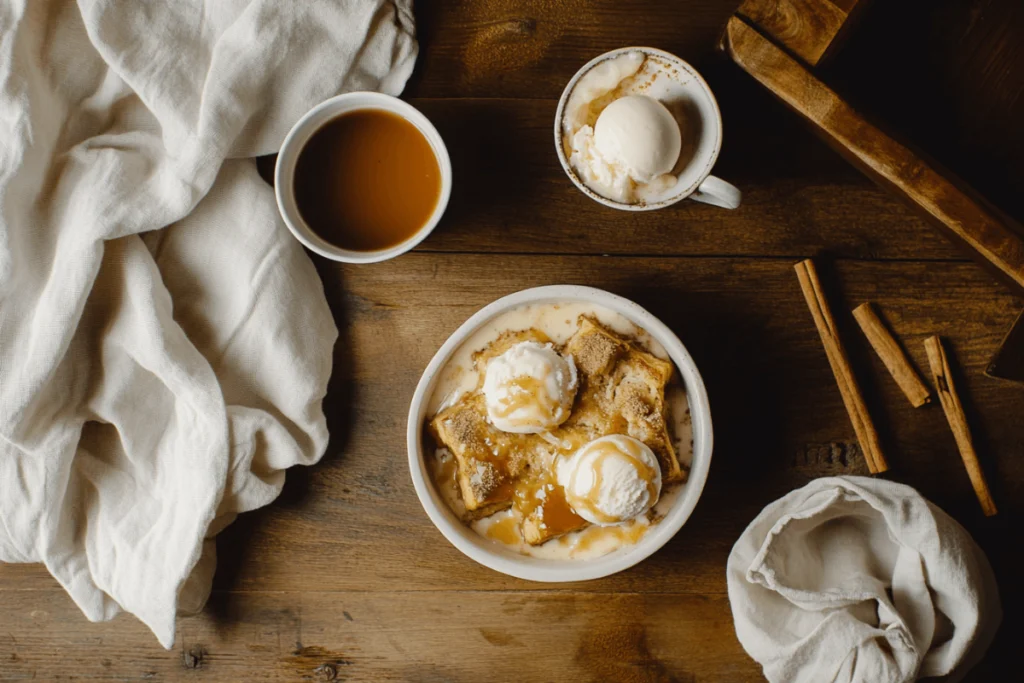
column 164, row 342
column 852, row 579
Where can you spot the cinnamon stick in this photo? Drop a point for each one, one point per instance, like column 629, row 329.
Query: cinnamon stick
column 951, row 405
column 837, row 358
column 893, row 355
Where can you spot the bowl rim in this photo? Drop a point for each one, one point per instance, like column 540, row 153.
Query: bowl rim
column 539, row 569
column 560, row 114
column 311, row 122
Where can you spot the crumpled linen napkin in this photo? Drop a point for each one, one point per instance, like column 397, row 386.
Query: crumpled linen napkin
column 165, row 344
column 852, row 579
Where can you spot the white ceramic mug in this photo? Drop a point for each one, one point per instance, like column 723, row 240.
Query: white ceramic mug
column 314, row 120
column 677, row 85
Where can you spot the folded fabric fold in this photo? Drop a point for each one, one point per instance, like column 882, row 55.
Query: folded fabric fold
column 853, row 579
column 165, row 344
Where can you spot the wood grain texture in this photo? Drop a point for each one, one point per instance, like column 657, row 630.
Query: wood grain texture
column 428, row 637
column 344, row 577
column 511, row 194
column 531, row 48
column 958, row 213
column 947, row 76
column 351, row 528
column 804, row 27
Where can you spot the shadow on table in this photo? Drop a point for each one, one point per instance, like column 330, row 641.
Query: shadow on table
column 735, row 347
column 733, row 350
column 499, row 156
column 998, row 536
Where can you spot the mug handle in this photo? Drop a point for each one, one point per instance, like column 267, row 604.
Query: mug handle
column 717, row 192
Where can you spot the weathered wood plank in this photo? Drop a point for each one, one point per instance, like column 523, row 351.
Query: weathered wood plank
column 427, row 636
column 511, row 194
column 806, row 28
column 344, row 576
column 531, row 48
column 353, row 522
column 779, row 419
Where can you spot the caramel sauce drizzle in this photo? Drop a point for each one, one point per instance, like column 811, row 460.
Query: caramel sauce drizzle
column 627, row 534
column 554, row 509
column 446, row 470
column 506, row 531
column 524, row 393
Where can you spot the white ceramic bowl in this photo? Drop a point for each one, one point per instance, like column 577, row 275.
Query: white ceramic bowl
column 508, row 561
column 315, row 118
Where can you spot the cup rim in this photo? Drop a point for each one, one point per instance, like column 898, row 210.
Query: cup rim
column 560, row 114
column 538, row 569
column 311, row 122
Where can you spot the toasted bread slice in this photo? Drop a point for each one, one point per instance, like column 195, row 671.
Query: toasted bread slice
column 489, row 460
column 622, row 392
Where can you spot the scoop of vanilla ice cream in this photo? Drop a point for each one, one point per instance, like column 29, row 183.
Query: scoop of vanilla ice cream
column 640, row 134
column 529, row 388
column 630, row 151
column 611, row 479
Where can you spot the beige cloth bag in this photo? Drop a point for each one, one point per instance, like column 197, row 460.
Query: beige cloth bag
column 852, row 579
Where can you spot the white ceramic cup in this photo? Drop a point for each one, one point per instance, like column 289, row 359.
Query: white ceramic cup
column 314, row 120
column 678, row 86
column 507, row 561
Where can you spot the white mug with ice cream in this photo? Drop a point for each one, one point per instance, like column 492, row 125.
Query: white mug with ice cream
column 638, row 129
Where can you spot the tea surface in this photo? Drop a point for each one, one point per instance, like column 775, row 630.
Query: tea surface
column 367, row 180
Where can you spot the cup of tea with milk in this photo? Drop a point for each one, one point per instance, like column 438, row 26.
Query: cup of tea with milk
column 364, row 177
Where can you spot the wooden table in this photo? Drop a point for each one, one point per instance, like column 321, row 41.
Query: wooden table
column 345, row 578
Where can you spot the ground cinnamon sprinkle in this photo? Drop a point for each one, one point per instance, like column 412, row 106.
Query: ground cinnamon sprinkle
column 484, row 479
column 463, row 426
column 636, row 407
column 594, row 354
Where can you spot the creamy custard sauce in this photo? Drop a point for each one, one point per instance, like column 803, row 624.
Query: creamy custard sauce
column 559, row 323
